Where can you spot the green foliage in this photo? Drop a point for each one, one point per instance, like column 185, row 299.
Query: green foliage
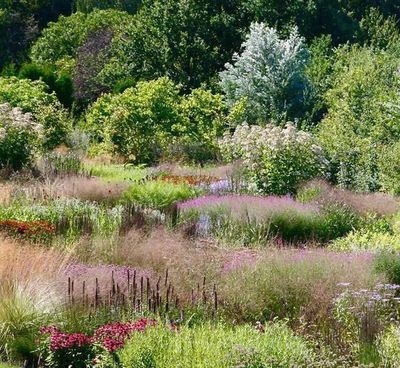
column 290, row 223
column 389, row 347
column 87, row 6
column 71, row 217
column 158, row 195
column 117, row 173
column 389, row 169
column 19, row 138
column 216, row 346
column 54, row 164
column 367, row 240
column 138, row 122
column 361, row 118
column 22, row 313
column 203, row 116
column 187, row 40
column 317, row 17
column 33, row 97
column 142, row 122
column 379, row 31
column 276, row 160
column 389, row 264
column 318, row 73
column 61, row 84
column 61, row 40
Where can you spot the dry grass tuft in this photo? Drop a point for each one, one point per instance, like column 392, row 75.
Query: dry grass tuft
column 363, row 203
column 5, row 193
column 86, row 189
column 33, row 272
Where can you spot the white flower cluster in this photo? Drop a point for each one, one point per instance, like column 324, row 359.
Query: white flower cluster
column 265, row 151
column 13, row 118
column 250, row 142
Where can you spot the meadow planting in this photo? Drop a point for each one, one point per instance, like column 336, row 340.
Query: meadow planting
column 198, row 183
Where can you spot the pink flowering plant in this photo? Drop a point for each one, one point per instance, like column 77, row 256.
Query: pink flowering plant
column 61, row 349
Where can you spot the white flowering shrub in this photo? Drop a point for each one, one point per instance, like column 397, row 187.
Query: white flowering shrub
column 276, row 160
column 19, row 137
column 269, row 75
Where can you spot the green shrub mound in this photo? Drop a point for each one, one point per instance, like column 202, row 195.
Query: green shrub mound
column 152, row 120
column 33, row 97
column 217, row 346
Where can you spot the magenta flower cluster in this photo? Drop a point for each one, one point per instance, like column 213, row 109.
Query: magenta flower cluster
column 60, row 340
column 245, row 201
column 111, row 336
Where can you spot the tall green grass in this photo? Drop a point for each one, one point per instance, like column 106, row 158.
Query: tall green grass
column 159, row 195
column 117, row 173
column 217, row 346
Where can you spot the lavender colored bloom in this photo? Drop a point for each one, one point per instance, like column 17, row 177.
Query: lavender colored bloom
column 242, row 202
column 203, row 225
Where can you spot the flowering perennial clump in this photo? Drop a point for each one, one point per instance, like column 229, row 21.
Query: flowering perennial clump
column 19, row 135
column 276, row 160
column 111, row 336
column 27, row 228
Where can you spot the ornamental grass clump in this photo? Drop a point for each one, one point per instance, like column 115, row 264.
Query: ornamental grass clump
column 158, row 195
column 276, row 160
column 19, row 137
column 247, row 220
column 217, row 345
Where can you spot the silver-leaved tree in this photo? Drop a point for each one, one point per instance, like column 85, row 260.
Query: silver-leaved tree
column 268, row 76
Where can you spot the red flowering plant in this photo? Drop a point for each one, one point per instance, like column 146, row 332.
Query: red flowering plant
column 64, row 350
column 27, row 228
column 61, row 349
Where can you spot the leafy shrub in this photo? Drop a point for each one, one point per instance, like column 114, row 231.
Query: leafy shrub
column 269, row 74
column 60, row 83
column 203, row 115
column 19, row 137
column 362, row 114
column 389, row 169
column 61, row 39
column 217, row 346
column 276, row 160
column 389, row 264
column 158, row 195
column 33, row 97
column 138, row 122
column 388, row 346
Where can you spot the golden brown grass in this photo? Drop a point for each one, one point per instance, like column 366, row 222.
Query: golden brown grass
column 31, row 272
column 86, row 189
column 363, row 203
column 5, row 193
